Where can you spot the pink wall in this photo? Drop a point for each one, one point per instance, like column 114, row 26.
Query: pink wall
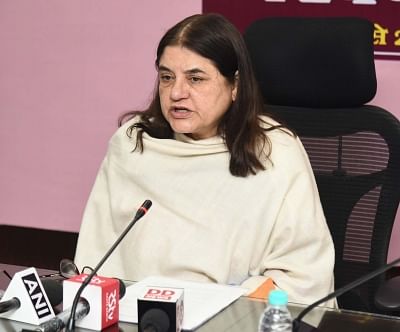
column 67, row 70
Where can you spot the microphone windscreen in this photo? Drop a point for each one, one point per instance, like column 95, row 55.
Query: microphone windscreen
column 158, row 305
column 54, row 291
column 155, row 320
column 147, row 204
column 122, row 288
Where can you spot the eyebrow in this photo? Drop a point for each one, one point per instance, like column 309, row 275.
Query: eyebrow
column 189, row 71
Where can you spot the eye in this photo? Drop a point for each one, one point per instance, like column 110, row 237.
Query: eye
column 165, row 78
column 195, row 79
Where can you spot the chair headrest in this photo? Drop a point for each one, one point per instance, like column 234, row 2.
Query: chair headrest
column 313, row 62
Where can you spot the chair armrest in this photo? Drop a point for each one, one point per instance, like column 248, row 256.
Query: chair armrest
column 387, row 296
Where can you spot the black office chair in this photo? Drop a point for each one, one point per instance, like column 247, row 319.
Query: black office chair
column 316, row 76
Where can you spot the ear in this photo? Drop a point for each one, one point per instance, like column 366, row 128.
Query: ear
column 235, row 85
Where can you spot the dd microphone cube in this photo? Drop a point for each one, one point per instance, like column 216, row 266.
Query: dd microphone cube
column 166, row 300
column 103, row 297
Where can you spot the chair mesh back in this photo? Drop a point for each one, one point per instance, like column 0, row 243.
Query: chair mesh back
column 353, row 155
column 357, row 154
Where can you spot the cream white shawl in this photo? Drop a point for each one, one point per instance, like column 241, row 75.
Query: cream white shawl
column 205, row 224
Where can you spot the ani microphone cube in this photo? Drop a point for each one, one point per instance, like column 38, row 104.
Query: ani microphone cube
column 168, row 300
column 103, row 297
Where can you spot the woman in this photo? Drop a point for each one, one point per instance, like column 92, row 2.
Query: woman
column 234, row 197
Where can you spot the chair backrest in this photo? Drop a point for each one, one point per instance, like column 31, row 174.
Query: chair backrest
column 316, row 76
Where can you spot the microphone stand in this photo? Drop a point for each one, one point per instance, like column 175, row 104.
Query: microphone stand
column 300, row 326
column 139, row 214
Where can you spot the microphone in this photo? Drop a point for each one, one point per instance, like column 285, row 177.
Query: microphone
column 26, row 298
column 52, row 288
column 160, row 309
column 154, row 320
column 11, row 304
column 57, row 323
column 300, row 326
column 139, row 214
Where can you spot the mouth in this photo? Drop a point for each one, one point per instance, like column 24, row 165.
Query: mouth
column 180, row 112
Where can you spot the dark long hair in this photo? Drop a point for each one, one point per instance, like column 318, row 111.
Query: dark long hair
column 214, row 37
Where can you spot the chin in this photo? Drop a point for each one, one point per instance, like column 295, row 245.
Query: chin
column 181, row 130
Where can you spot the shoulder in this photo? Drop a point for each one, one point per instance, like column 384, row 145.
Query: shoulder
column 277, row 134
column 286, row 149
column 126, row 133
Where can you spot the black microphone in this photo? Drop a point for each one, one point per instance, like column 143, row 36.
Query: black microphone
column 300, row 326
column 11, row 304
column 160, row 309
column 139, row 214
column 154, row 320
column 57, row 323
column 52, row 289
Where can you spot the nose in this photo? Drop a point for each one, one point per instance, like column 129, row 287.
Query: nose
column 179, row 89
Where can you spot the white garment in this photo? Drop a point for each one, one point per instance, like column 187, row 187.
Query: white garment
column 205, row 224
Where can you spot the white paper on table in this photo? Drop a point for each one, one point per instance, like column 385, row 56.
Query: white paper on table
column 201, row 300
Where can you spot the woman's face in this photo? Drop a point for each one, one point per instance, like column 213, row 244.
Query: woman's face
column 194, row 95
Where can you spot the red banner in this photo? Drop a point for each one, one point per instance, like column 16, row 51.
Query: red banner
column 384, row 14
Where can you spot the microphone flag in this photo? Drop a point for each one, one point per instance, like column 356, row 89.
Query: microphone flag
column 35, row 307
column 168, row 302
column 103, row 296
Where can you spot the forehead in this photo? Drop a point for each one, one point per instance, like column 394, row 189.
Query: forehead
column 179, row 58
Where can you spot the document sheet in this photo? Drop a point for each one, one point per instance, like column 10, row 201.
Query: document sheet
column 201, row 300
